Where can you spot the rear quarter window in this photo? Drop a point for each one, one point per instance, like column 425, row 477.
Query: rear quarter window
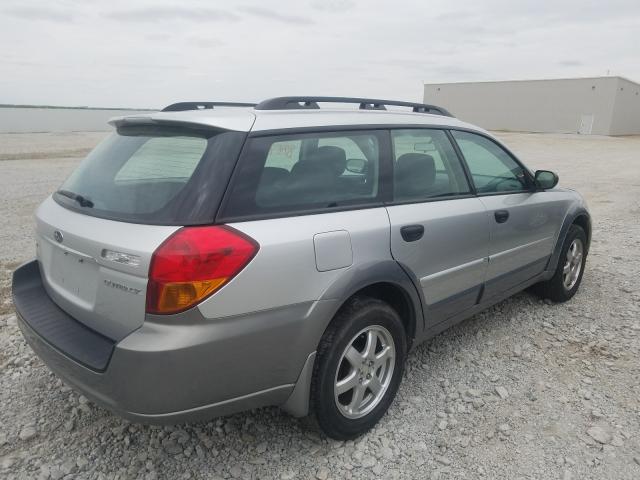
column 308, row 172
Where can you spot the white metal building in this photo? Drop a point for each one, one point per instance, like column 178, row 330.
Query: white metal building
column 600, row 105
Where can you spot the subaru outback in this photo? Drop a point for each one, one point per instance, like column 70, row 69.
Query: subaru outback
column 215, row 257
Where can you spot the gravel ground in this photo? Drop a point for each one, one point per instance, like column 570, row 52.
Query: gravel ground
column 524, row 390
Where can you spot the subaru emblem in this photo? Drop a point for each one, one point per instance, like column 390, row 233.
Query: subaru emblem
column 57, row 235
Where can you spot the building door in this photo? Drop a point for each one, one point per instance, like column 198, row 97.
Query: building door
column 585, row 125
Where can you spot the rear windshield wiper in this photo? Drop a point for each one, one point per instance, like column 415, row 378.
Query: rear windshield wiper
column 82, row 201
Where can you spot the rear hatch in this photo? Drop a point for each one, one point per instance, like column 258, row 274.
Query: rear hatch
column 96, row 235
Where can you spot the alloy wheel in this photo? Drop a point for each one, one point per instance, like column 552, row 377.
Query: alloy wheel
column 572, row 264
column 364, row 371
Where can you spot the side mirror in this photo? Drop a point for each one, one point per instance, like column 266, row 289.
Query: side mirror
column 546, row 179
column 357, row 165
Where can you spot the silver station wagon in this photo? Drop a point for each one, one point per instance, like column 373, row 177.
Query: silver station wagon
column 217, row 257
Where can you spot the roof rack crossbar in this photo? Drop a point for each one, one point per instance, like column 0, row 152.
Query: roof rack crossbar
column 184, row 106
column 293, row 103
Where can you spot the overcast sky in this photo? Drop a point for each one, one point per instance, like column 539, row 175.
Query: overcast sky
column 147, row 53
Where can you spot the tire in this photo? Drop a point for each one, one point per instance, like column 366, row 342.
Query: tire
column 557, row 288
column 351, row 327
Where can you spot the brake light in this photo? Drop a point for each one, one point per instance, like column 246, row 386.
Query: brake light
column 193, row 263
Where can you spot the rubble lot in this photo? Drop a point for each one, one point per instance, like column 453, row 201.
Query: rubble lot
column 524, row 390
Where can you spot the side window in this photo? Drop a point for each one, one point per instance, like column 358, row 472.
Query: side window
column 300, row 172
column 426, row 165
column 493, row 170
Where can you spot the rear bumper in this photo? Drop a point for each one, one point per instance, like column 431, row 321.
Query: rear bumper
column 175, row 368
column 35, row 307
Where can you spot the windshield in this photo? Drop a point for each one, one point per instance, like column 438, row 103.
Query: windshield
column 152, row 174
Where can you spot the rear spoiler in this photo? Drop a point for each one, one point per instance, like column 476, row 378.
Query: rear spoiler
column 132, row 120
column 220, row 120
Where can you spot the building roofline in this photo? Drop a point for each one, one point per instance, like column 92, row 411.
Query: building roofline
column 535, row 80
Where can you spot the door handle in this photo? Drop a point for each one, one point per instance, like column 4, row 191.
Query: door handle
column 411, row 233
column 501, row 216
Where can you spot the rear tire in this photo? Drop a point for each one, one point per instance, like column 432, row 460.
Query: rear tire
column 358, row 368
column 568, row 275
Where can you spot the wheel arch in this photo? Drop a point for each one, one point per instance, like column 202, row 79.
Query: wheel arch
column 584, row 221
column 386, row 281
column 578, row 217
column 397, row 298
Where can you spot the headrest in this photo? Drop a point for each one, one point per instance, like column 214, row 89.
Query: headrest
column 415, row 173
column 334, row 156
column 328, row 159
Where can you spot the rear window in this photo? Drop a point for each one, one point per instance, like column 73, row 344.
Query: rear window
column 163, row 158
column 150, row 174
column 306, row 172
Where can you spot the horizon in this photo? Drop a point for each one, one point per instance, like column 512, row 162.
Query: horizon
column 69, row 107
column 94, row 107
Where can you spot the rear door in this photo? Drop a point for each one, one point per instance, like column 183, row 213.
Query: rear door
column 439, row 229
column 524, row 223
column 314, row 203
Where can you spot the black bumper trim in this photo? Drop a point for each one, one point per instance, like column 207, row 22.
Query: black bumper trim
column 73, row 339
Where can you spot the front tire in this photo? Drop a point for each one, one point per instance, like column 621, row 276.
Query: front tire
column 358, row 368
column 568, row 275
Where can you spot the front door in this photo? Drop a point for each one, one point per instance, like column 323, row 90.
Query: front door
column 439, row 230
column 524, row 223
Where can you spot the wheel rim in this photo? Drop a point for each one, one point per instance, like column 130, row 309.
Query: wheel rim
column 364, row 371
column 572, row 264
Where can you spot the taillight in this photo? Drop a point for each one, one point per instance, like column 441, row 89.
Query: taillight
column 194, row 263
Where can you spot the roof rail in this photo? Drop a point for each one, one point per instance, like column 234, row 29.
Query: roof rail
column 183, row 106
column 293, row 103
